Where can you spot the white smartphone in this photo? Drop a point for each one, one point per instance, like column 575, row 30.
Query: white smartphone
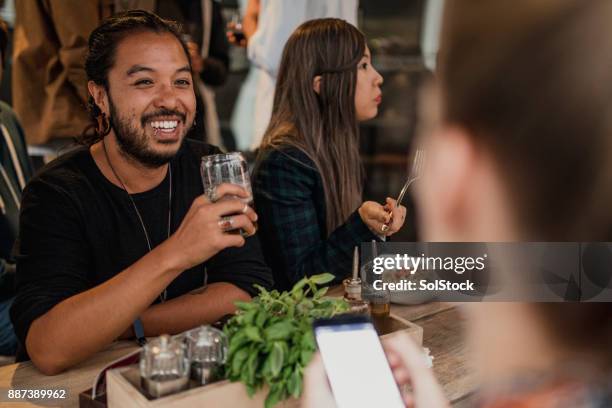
column 355, row 362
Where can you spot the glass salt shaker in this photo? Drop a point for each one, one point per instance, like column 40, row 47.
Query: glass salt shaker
column 207, row 352
column 164, row 368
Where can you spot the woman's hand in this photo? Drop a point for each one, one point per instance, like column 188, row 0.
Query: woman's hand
column 382, row 220
column 398, row 215
column 409, row 366
column 375, row 217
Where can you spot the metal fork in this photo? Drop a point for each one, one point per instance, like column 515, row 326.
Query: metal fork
column 415, row 174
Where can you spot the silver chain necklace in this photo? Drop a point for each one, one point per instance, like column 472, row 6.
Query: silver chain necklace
column 164, row 294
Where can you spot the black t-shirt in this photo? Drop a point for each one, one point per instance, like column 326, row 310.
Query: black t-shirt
column 77, row 230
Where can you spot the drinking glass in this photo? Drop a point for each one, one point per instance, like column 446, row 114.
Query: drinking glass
column 229, row 168
column 235, row 26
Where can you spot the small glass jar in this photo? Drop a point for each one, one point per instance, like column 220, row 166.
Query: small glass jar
column 380, row 308
column 207, row 352
column 352, row 295
column 164, row 368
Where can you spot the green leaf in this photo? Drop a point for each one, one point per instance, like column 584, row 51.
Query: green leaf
column 308, row 341
column 274, row 396
column 244, row 377
column 322, row 279
column 253, row 334
column 237, row 341
column 298, row 286
column 327, row 304
column 279, row 331
column 249, row 316
column 261, row 318
column 239, row 358
column 291, row 311
column 294, row 355
column 298, row 296
column 287, row 371
column 305, row 306
column 294, row 385
column 261, row 289
column 244, row 305
column 251, row 367
column 266, row 370
column 306, row 356
column 319, row 293
column 277, row 357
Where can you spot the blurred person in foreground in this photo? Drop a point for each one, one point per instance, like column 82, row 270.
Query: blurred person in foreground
column 308, row 178
column 117, row 239
column 519, row 148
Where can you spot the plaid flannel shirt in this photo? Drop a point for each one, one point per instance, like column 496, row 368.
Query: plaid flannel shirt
column 290, row 202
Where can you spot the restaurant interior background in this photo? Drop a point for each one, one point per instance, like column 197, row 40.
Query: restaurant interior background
column 398, row 34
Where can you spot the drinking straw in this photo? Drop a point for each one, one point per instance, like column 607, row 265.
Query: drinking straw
column 355, row 263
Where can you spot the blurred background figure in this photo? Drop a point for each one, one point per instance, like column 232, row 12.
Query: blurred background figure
column 15, row 171
column 267, row 25
column 48, row 78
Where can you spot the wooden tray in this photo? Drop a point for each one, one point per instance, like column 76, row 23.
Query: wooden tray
column 123, row 386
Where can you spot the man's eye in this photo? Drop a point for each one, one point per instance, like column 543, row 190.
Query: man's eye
column 183, row 82
column 143, row 82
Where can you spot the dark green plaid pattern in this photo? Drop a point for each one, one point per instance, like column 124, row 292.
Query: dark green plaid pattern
column 290, row 202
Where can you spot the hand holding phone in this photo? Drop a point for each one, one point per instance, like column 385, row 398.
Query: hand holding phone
column 410, row 366
column 355, row 363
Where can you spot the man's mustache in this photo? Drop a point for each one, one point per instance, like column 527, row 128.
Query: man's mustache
column 162, row 112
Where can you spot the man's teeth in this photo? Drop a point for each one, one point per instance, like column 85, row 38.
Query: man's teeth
column 164, row 124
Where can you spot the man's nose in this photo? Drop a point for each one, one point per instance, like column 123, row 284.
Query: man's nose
column 166, row 97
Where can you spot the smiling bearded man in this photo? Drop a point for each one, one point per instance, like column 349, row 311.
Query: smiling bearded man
column 116, row 236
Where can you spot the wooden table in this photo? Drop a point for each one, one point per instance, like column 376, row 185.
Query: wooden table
column 442, row 333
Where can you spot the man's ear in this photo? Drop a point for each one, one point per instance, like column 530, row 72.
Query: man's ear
column 100, row 96
column 316, row 84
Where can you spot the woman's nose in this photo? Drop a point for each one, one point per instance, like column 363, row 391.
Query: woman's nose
column 379, row 79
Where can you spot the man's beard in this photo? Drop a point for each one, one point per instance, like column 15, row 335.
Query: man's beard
column 133, row 142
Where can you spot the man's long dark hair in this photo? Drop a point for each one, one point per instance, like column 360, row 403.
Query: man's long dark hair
column 323, row 125
column 103, row 43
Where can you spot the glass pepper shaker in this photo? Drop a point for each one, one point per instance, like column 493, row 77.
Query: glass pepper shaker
column 164, row 368
column 207, row 352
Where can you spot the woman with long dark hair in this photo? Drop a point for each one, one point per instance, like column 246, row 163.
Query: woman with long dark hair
column 308, row 179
